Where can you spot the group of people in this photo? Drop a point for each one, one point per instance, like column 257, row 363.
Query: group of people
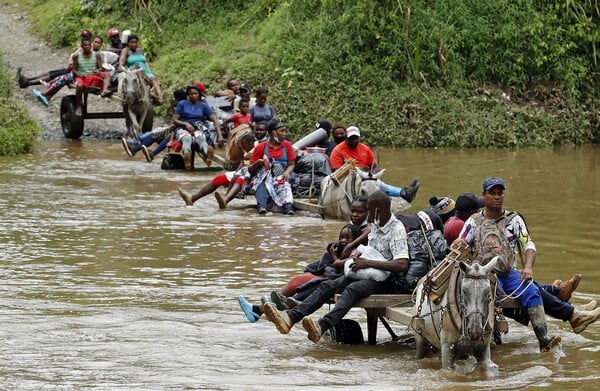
column 89, row 65
column 273, row 160
column 469, row 220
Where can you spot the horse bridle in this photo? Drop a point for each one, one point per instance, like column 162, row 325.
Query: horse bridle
column 462, row 309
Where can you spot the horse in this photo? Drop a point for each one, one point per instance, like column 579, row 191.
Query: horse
column 135, row 95
column 461, row 321
column 337, row 194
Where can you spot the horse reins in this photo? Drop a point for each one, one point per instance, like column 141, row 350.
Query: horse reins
column 484, row 316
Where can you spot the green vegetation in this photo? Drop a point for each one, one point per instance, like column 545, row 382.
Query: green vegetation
column 416, row 73
column 18, row 130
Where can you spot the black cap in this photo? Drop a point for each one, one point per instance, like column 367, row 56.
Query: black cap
column 246, row 87
column 274, row 124
column 323, row 124
column 468, row 201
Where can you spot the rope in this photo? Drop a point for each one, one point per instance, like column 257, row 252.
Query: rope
column 511, row 296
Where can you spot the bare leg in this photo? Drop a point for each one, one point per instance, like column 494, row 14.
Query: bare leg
column 204, row 190
column 25, row 82
column 105, row 85
column 233, row 191
column 78, row 98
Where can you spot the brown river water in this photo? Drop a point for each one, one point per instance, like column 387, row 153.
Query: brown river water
column 109, row 282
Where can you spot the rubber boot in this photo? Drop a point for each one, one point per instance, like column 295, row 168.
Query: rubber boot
column 540, row 328
column 410, row 192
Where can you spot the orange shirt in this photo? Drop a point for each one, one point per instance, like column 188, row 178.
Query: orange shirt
column 363, row 155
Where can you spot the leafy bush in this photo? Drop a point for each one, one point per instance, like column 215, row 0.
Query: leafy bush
column 18, row 130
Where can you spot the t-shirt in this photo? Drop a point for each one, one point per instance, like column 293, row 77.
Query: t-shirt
column 86, row 66
column 452, row 229
column 238, row 119
column 390, row 240
column 192, row 112
column 515, row 230
column 363, row 155
column 275, row 153
column 262, row 113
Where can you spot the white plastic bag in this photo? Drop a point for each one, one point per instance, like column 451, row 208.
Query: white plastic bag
column 368, row 273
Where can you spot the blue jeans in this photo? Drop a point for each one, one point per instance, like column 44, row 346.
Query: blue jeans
column 162, row 145
column 392, row 191
column 263, row 197
column 145, row 139
column 528, row 294
column 554, row 306
column 351, row 291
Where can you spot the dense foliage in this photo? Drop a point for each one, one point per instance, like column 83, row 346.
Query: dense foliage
column 18, row 130
column 414, row 73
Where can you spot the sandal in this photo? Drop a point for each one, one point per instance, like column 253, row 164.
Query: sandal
column 43, row 100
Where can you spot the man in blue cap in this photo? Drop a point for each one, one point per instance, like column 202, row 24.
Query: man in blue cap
column 497, row 232
column 555, row 297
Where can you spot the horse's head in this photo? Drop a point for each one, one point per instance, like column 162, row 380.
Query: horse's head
column 133, row 86
column 369, row 182
column 476, row 296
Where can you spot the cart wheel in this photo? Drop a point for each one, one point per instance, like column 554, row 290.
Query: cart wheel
column 72, row 126
column 148, row 121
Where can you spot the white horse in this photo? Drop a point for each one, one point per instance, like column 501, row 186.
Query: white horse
column 135, row 94
column 336, row 199
column 461, row 322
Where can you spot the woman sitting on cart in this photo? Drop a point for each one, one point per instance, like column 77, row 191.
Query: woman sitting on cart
column 131, row 56
column 187, row 114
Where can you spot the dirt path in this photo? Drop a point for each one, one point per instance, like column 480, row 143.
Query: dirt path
column 21, row 49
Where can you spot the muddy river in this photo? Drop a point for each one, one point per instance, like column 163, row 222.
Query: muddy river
column 108, row 281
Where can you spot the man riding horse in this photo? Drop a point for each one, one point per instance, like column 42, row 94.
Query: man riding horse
column 351, row 148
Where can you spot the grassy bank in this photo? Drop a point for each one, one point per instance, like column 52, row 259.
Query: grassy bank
column 459, row 73
column 18, row 130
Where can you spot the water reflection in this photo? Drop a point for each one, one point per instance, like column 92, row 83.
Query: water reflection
column 109, row 281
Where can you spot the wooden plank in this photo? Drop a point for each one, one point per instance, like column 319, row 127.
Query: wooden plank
column 309, row 206
column 399, row 314
column 219, row 159
column 382, row 301
column 507, row 303
column 379, row 301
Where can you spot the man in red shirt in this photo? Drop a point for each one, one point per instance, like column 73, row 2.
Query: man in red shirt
column 351, row 148
column 466, row 205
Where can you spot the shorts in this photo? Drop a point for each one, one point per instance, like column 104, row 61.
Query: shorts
column 225, row 179
column 94, row 79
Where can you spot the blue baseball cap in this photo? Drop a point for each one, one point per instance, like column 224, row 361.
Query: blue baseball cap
column 493, row 181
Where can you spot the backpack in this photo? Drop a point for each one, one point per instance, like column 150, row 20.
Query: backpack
column 426, row 248
column 491, row 240
column 310, row 170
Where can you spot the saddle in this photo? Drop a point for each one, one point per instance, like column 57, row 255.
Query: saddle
column 439, row 277
column 338, row 176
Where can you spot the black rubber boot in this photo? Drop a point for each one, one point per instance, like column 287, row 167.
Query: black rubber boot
column 538, row 321
column 410, row 192
column 21, row 79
